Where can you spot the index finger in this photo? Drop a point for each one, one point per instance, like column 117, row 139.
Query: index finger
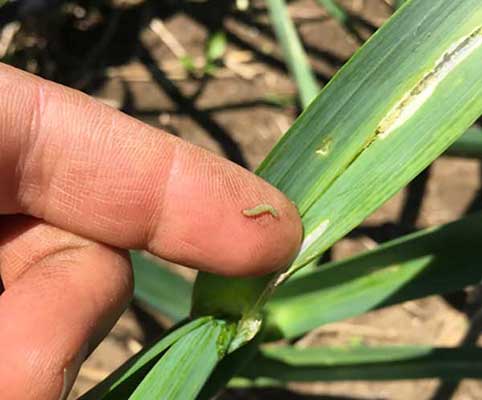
column 94, row 171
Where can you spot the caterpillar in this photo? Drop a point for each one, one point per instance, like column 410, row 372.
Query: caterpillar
column 261, row 209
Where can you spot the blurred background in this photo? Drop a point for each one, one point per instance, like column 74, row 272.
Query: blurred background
column 212, row 73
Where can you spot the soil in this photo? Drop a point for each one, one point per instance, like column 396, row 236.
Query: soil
column 241, row 111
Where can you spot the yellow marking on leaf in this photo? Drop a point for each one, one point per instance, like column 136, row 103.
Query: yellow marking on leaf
column 325, row 147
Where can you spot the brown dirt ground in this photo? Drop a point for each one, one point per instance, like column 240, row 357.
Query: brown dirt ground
column 236, row 119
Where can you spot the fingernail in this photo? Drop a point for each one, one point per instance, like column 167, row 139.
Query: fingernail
column 71, row 371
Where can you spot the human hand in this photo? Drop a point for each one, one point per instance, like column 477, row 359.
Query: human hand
column 79, row 182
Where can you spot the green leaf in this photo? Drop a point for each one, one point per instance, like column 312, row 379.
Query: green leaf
column 162, row 289
column 429, row 262
column 293, row 51
column 279, row 365
column 345, row 355
column 188, row 63
column 216, row 46
column 182, row 371
column 122, row 382
column 468, row 145
column 411, row 90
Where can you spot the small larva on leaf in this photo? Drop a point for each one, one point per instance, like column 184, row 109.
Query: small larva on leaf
column 261, row 209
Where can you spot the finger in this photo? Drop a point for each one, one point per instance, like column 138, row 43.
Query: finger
column 94, row 171
column 62, row 295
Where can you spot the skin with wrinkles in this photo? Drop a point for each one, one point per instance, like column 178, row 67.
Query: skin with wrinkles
column 81, row 181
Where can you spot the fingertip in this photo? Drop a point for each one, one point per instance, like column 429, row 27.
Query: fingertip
column 221, row 218
column 274, row 238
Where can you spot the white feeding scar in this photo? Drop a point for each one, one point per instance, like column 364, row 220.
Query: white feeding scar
column 416, row 97
column 314, row 235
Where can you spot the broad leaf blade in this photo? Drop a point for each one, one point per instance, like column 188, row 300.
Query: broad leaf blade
column 429, row 262
column 122, row 382
column 186, row 366
column 388, row 164
column 280, row 365
column 351, row 106
column 167, row 292
column 353, row 148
